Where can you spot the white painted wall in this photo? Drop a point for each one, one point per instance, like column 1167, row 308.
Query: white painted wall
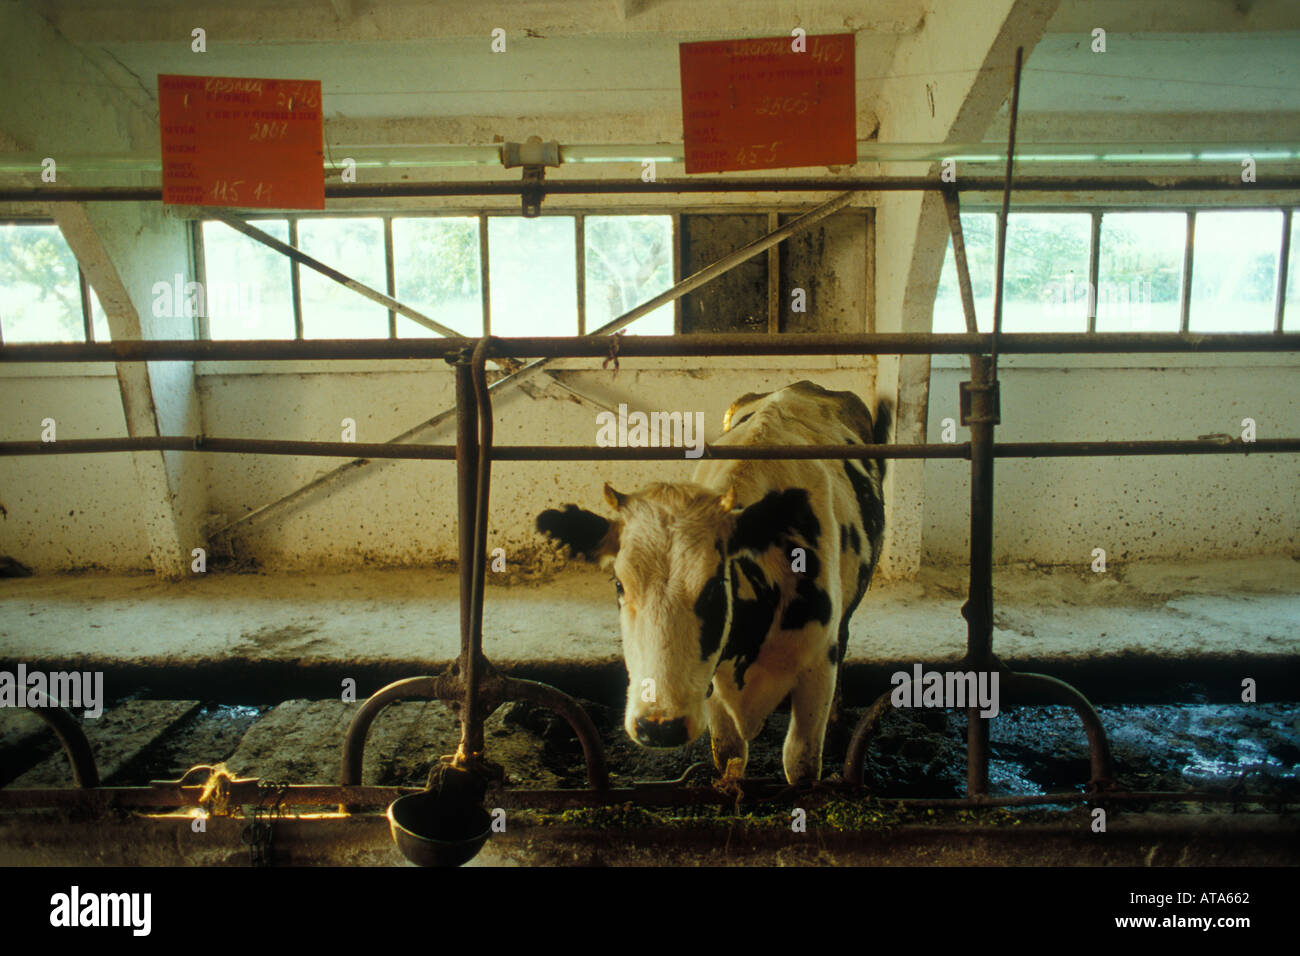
column 1055, row 511
column 68, row 511
column 77, row 511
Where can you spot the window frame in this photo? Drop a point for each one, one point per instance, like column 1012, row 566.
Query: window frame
column 1189, row 240
column 83, row 284
column 577, row 213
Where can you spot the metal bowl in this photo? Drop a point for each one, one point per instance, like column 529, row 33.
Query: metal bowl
column 436, row 829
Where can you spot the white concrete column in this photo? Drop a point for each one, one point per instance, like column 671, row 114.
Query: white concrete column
column 946, row 83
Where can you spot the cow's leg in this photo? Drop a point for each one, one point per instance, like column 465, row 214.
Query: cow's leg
column 728, row 743
column 810, row 706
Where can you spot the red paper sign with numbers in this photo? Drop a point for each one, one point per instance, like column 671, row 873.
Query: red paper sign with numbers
column 759, row 104
column 239, row 141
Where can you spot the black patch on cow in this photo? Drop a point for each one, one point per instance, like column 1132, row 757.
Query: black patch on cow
column 850, row 540
column 833, row 654
column 774, row 519
column 751, row 619
column 810, row 602
column 582, row 532
column 711, row 609
column 869, row 504
column 865, row 572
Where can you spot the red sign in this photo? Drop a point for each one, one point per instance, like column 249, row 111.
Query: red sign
column 238, row 141
column 758, row 104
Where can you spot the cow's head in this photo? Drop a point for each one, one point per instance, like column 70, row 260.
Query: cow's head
column 669, row 547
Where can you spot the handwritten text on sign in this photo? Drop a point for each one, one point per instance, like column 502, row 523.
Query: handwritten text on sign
column 757, row 104
column 236, row 141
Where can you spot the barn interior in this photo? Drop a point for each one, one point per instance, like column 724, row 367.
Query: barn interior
column 243, row 606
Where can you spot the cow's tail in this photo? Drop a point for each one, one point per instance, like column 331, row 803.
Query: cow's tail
column 880, row 433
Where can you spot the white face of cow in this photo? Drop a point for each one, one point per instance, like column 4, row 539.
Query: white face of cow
column 666, row 548
column 674, row 606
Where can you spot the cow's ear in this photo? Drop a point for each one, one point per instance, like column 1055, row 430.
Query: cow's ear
column 775, row 519
column 586, row 535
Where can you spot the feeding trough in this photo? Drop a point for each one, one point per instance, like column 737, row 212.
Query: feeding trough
column 445, row 825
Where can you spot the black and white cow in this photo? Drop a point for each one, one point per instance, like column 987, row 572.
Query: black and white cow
column 735, row 589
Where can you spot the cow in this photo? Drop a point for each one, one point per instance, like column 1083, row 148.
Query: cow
column 735, row 589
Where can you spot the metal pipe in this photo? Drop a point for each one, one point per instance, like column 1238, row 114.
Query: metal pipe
column 756, row 184
column 564, row 705
column 73, row 740
column 326, row 449
column 467, row 464
column 164, row 794
column 1103, row 771
column 978, row 609
column 471, row 746
column 952, row 205
column 596, row 345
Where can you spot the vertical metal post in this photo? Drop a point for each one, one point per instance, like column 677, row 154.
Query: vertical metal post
column 1280, row 313
column 981, row 417
column 773, row 279
column 390, row 274
column 467, row 500
column 484, row 273
column 580, row 248
column 1185, row 307
column 980, row 410
column 295, row 283
column 1094, row 271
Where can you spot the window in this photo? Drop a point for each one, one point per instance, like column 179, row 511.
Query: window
column 247, row 284
column 436, row 262
column 1234, row 271
column 629, row 261
column 43, row 295
column 1139, row 272
column 532, row 275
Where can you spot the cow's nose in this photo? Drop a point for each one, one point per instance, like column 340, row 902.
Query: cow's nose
column 661, row 733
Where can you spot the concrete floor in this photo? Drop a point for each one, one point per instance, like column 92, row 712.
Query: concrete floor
column 1230, row 608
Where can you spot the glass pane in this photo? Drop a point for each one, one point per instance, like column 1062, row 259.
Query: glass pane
column 1140, row 273
column 1291, row 317
column 533, row 277
column 436, row 271
column 979, row 233
column 40, row 292
column 248, row 290
column 100, row 318
column 1045, row 288
column 356, row 248
column 629, row 260
column 1234, row 271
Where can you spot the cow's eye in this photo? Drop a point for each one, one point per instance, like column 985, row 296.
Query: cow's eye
column 618, row 588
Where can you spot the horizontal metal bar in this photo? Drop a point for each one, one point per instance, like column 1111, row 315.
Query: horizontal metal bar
column 363, row 450
column 1226, row 182
column 651, row 346
column 247, row 792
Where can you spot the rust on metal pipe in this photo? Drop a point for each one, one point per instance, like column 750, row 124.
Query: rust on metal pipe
column 168, row 795
column 767, row 184
column 73, row 740
column 322, row 449
column 564, row 705
column 658, row 346
column 1103, row 771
